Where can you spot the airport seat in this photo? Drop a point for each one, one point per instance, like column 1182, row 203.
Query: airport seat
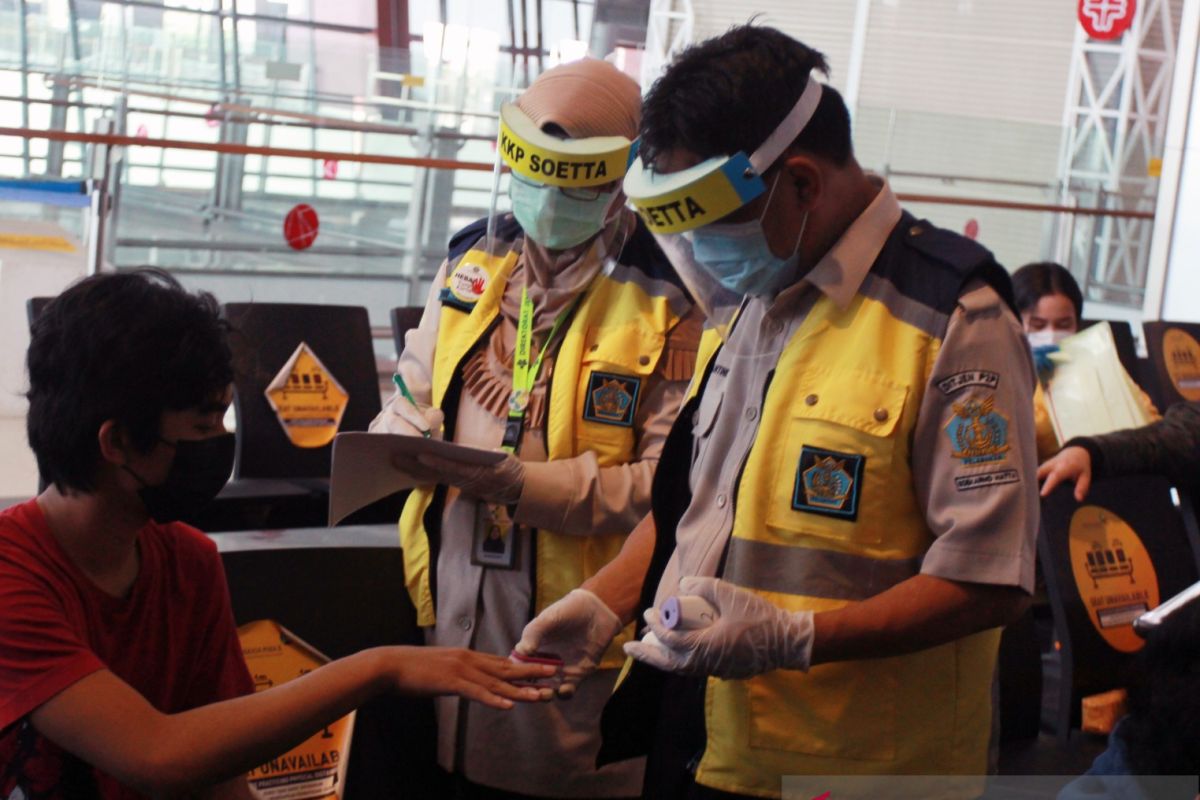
column 34, row 306
column 1105, row 561
column 404, row 319
column 264, row 337
column 343, row 591
column 1174, row 350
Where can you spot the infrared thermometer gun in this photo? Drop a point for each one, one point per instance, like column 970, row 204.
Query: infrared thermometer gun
column 687, row 612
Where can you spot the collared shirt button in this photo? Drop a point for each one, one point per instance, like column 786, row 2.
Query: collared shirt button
column 722, row 500
column 464, row 622
column 811, row 400
column 643, row 360
column 594, row 348
column 772, row 325
column 915, row 230
column 881, row 415
column 751, row 413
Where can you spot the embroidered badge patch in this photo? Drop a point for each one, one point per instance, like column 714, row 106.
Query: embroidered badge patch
column 978, row 433
column 827, row 483
column 612, row 399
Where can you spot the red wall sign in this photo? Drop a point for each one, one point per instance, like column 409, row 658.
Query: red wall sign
column 300, row 227
column 1106, row 19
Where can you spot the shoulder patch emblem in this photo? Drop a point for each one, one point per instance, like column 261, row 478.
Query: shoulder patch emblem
column 612, row 399
column 978, row 433
column 827, row 483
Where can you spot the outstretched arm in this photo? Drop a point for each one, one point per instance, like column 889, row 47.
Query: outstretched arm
column 105, row 722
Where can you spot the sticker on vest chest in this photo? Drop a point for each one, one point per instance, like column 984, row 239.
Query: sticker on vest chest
column 827, row 483
column 465, row 286
column 978, row 433
column 611, row 399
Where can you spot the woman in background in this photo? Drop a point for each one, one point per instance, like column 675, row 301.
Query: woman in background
column 1051, row 306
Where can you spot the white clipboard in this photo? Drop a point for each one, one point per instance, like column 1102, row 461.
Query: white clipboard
column 365, row 466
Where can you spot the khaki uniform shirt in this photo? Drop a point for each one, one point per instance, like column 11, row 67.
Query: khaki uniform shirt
column 982, row 535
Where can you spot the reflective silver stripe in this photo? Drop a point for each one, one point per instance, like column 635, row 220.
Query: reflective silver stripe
column 811, row 572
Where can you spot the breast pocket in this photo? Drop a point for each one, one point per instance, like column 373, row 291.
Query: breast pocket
column 704, row 420
column 617, row 362
column 836, row 463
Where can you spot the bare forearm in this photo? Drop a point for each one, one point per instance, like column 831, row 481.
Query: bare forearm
column 161, row 753
column 916, row 614
column 619, row 583
column 258, row 727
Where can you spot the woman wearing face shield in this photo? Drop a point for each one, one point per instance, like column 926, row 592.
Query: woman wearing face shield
column 559, row 335
column 1051, row 306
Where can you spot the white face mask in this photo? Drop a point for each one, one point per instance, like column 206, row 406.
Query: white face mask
column 1046, row 337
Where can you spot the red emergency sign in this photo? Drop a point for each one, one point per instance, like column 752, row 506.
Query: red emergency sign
column 1106, row 19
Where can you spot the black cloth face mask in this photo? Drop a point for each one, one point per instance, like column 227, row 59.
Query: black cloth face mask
column 199, row 471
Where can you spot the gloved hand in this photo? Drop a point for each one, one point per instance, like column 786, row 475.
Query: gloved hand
column 578, row 629
column 751, row 636
column 402, row 417
column 1043, row 362
column 499, row 483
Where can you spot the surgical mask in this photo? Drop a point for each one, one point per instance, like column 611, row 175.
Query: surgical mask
column 199, row 471
column 740, row 258
column 555, row 220
column 1047, row 337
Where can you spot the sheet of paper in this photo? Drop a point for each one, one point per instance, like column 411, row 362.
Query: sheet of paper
column 365, row 466
column 1090, row 393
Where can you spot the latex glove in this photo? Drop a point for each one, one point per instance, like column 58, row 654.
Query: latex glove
column 751, row 636
column 402, row 417
column 499, row 483
column 578, row 629
column 1043, row 362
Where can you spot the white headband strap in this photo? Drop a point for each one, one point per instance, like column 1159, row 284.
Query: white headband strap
column 789, row 129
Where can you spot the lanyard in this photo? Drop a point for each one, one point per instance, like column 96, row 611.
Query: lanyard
column 525, row 373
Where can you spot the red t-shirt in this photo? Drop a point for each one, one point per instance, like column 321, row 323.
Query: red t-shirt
column 172, row 638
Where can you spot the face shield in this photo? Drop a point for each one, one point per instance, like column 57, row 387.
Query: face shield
column 574, row 170
column 674, row 204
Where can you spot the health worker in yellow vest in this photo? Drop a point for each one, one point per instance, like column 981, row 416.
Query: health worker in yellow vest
column 845, row 511
column 558, row 336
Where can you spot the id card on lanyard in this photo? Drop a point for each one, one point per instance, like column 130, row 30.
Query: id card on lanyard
column 495, row 543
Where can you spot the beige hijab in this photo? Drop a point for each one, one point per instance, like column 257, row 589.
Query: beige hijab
column 585, row 98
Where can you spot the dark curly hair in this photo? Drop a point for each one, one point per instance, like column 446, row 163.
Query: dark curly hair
column 127, row 347
column 730, row 92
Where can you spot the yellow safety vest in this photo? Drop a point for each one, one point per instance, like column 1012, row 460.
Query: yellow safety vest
column 618, row 331
column 849, row 717
column 848, row 383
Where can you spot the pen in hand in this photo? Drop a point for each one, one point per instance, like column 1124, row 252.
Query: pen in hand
column 396, row 379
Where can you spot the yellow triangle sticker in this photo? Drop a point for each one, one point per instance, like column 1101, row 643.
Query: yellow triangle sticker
column 307, row 400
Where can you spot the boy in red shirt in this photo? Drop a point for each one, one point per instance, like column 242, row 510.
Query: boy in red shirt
column 120, row 668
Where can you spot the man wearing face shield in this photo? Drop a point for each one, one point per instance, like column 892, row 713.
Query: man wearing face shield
column 848, row 495
column 556, row 333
